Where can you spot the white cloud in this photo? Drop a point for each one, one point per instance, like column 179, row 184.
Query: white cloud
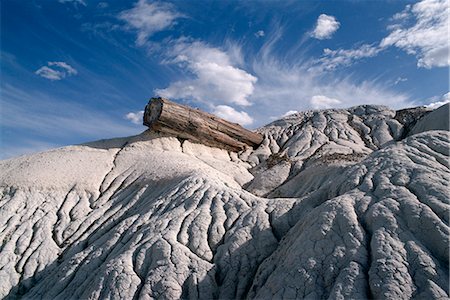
column 272, row 84
column 260, row 33
column 148, row 18
column 435, row 103
column 228, row 113
column 136, row 117
column 281, row 87
column 284, row 86
column 400, row 79
column 213, row 79
column 325, row 27
column 403, row 15
column 56, row 70
column 331, row 59
column 50, row 74
column 322, row 102
column 63, row 65
column 428, row 37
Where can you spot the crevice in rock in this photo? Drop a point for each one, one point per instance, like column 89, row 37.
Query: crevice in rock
column 59, row 216
column 181, row 140
column 368, row 247
column 277, row 236
column 297, row 127
column 101, row 192
column 408, row 117
column 368, row 143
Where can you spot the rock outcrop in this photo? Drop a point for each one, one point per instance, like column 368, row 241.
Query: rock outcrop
column 333, row 204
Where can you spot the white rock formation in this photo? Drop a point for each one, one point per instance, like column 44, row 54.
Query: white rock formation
column 435, row 120
column 333, row 204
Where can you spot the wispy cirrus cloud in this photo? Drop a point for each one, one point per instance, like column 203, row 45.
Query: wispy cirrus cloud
column 326, row 26
column 224, row 79
column 438, row 101
column 283, row 86
column 295, row 87
column 56, row 70
column 399, row 80
column 270, row 82
column 426, row 38
column 147, row 18
column 58, row 121
column 211, row 74
column 332, row 59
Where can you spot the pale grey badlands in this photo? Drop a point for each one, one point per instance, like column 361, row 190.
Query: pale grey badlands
column 336, row 204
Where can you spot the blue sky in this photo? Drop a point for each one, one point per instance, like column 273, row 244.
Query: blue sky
column 79, row 70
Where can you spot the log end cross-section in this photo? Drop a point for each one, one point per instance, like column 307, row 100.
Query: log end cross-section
column 185, row 122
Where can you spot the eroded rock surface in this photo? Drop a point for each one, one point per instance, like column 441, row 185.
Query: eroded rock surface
column 334, row 203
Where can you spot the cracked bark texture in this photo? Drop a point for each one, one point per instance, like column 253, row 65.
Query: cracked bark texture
column 333, row 204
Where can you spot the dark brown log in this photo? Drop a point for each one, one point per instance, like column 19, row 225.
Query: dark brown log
column 187, row 123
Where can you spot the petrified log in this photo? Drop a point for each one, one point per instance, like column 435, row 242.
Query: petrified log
column 187, row 123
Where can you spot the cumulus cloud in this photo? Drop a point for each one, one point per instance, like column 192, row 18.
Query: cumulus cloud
column 322, row 102
column 135, row 117
column 331, row 59
column 325, row 27
column 148, row 18
column 56, row 70
column 427, row 37
column 229, row 113
column 213, row 75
